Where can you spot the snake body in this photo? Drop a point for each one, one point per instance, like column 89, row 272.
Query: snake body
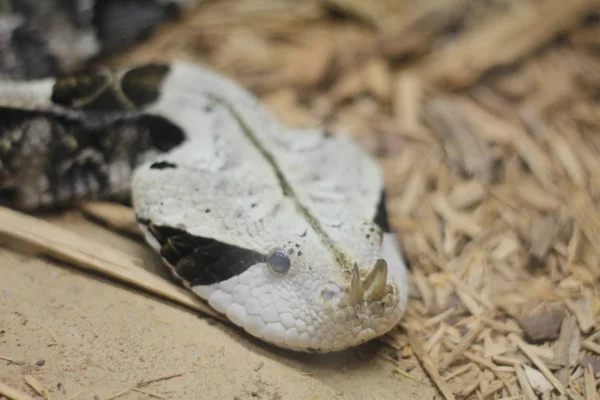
column 283, row 231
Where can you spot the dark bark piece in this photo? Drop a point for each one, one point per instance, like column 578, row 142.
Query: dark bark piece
column 543, row 322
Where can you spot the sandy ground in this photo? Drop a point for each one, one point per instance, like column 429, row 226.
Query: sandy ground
column 85, row 337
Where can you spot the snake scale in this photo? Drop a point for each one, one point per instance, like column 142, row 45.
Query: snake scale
column 283, row 231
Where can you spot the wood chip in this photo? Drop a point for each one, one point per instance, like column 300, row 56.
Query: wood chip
column 543, row 322
column 510, row 37
column 472, row 153
column 466, row 341
column 114, row 215
column 524, row 382
column 538, row 363
column 591, row 346
column 537, row 380
column 582, row 308
column 543, row 230
column 591, row 393
column 429, row 366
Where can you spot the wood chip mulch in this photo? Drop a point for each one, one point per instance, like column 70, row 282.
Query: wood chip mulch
column 485, row 116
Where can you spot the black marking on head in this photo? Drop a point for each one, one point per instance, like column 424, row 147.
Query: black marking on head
column 106, row 91
column 327, row 134
column 142, row 85
column 202, row 261
column 164, row 135
column 163, row 165
column 381, row 217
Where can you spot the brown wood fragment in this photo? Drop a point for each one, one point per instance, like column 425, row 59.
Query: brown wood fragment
column 591, row 393
column 378, row 79
column 419, row 25
column 537, row 380
column 429, row 366
column 543, row 230
column 537, row 361
column 510, row 37
column 584, row 211
column 460, row 221
column 37, row 386
column 590, row 362
column 504, row 360
column 307, row 64
column 524, row 383
column 582, row 308
column 466, row 341
column 472, row 153
column 161, row 378
column 543, row 322
column 407, row 101
column 591, row 346
column 114, row 215
column 567, row 347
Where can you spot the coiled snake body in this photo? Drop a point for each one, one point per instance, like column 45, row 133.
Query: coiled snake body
column 283, row 231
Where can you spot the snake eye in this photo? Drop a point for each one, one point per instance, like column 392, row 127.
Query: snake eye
column 278, row 261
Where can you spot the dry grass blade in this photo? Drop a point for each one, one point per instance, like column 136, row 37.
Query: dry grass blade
column 58, row 243
column 114, row 215
column 37, row 386
column 13, row 393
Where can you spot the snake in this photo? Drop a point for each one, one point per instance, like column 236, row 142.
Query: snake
column 283, row 231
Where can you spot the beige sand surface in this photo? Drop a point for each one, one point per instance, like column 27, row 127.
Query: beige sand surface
column 97, row 338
